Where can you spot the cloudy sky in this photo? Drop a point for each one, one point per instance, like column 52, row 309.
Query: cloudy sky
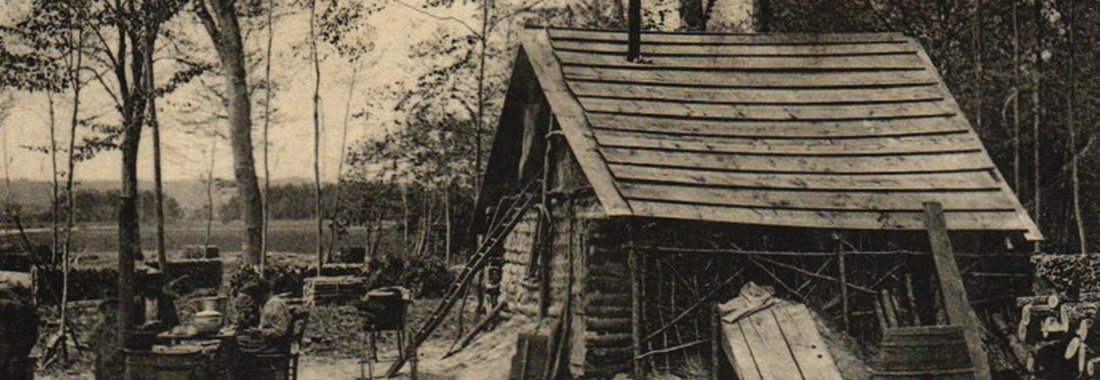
column 187, row 149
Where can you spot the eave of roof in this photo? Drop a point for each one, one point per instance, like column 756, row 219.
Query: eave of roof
column 846, row 131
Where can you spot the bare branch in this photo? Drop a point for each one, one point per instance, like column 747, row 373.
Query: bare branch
column 208, row 22
column 440, row 18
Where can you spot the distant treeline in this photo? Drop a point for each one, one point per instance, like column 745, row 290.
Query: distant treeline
column 94, row 206
column 424, row 217
column 361, row 200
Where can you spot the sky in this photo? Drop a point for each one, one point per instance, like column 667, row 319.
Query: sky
column 186, row 152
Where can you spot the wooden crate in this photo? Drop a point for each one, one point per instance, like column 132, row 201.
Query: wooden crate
column 924, row 352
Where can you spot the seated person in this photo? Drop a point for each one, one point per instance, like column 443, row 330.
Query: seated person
column 273, row 333
column 246, row 308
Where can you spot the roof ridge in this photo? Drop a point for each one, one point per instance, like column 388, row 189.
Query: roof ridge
column 704, row 32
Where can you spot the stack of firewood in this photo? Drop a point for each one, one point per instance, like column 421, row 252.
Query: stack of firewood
column 336, row 289
column 1055, row 328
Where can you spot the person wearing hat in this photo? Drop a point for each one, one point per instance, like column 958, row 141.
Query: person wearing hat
column 273, row 332
column 270, row 336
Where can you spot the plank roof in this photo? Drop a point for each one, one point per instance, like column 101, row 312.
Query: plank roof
column 845, row 131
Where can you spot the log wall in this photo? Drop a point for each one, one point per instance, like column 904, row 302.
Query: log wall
column 517, row 288
column 607, row 306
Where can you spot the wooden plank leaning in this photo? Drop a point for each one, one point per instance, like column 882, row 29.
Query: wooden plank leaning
column 955, row 302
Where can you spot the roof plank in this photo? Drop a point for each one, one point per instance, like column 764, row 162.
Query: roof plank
column 838, row 200
column 642, row 74
column 816, row 63
column 954, row 181
column 1032, row 230
column 815, row 112
column 570, row 117
column 803, row 147
column 860, row 220
column 755, row 96
column 777, row 129
column 801, row 164
column 652, row 49
column 715, row 38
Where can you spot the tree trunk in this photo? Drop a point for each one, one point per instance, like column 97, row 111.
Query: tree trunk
column 763, row 16
column 55, row 224
column 1072, row 128
column 978, row 70
column 1037, row 117
column 480, row 126
column 347, row 120
column 447, row 216
column 70, row 220
column 267, row 124
column 1016, row 101
column 129, row 234
column 405, row 211
column 210, row 189
column 225, row 32
column 317, row 206
column 150, row 88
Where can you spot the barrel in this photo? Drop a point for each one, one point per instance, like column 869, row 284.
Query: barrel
column 384, row 309
column 165, row 365
column 924, row 352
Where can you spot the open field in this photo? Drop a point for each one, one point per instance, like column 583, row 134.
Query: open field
column 298, row 236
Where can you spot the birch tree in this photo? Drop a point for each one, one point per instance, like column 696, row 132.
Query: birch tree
column 220, row 19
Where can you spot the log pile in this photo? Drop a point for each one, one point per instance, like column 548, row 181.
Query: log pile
column 1056, row 328
column 333, row 290
column 1056, row 331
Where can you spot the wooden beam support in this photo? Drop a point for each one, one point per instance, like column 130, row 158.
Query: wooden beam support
column 955, row 302
column 842, row 273
column 635, row 312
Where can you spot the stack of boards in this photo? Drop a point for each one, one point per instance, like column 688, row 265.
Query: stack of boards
column 335, row 289
column 779, row 342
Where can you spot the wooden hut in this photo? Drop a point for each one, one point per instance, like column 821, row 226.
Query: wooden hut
column 661, row 185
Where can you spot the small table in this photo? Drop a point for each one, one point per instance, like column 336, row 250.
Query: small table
column 224, row 343
column 173, row 339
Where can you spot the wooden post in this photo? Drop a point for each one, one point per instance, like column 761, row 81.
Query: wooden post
column 888, row 309
column 716, row 334
column 843, row 277
column 635, row 311
column 912, row 299
column 958, row 308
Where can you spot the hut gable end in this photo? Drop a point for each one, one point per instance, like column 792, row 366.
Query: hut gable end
column 840, row 131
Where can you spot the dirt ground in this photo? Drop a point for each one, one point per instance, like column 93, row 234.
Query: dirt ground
column 488, row 358
column 333, row 345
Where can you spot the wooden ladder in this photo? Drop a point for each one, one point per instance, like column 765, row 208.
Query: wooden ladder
column 498, row 231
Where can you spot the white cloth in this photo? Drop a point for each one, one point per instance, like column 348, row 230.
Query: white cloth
column 752, row 298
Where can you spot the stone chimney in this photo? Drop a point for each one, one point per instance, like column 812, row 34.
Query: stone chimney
column 634, row 30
